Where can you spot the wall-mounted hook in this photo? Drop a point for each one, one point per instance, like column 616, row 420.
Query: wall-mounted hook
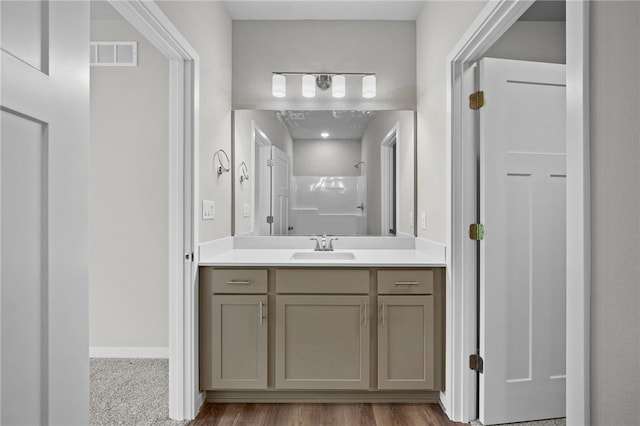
column 243, row 172
column 221, row 168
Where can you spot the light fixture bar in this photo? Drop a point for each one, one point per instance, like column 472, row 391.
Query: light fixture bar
column 361, row 74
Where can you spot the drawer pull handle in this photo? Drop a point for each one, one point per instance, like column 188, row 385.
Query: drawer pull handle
column 407, row 283
column 238, row 282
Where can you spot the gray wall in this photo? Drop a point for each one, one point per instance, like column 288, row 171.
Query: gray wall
column 386, row 48
column 615, row 207
column 326, row 157
column 207, row 27
column 268, row 122
column 440, row 26
column 532, row 41
column 378, row 128
column 128, row 201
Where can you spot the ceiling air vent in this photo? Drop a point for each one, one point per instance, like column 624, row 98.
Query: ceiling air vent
column 114, row 53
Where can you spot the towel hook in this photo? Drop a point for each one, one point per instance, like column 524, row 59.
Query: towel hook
column 221, row 168
column 244, row 172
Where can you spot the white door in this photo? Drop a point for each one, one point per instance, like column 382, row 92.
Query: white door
column 279, row 192
column 522, row 256
column 44, row 347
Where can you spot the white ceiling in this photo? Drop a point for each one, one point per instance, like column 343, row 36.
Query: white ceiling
column 388, row 10
column 339, row 124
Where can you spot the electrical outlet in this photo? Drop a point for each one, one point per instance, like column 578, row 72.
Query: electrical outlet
column 423, row 220
column 247, row 210
column 208, row 210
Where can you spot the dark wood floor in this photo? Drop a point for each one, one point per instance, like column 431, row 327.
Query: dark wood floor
column 321, row 415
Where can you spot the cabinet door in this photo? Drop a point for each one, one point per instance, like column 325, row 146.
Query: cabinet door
column 239, row 342
column 405, row 342
column 322, row 342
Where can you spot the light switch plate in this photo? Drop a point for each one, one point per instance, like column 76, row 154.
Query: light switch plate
column 208, row 210
column 247, row 210
column 423, row 220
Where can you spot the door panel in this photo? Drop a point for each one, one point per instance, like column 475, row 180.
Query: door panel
column 24, row 256
column 522, row 256
column 322, row 342
column 44, row 199
column 280, row 178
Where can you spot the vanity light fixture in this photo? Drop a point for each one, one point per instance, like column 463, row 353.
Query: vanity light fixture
column 278, row 85
column 369, row 86
column 337, row 82
column 308, row 86
column 339, row 88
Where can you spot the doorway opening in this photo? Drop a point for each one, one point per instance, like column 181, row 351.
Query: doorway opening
column 183, row 124
column 388, row 182
column 492, row 23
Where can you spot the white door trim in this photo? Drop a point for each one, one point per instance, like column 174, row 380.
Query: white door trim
column 184, row 88
column 260, row 141
column 388, row 141
column 459, row 399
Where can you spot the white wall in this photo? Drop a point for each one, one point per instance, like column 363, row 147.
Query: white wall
column 207, row 27
column 438, row 28
column 386, row 48
column 326, row 157
column 279, row 137
column 532, row 41
column 615, row 213
column 128, row 201
column 378, row 128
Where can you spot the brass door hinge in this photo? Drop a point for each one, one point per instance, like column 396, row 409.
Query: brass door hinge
column 476, row 363
column 476, row 100
column 476, row 231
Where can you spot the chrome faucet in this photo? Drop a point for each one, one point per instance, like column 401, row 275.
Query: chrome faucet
column 321, row 243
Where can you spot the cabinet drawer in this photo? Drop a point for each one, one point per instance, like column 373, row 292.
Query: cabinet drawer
column 410, row 281
column 236, row 281
column 320, row 281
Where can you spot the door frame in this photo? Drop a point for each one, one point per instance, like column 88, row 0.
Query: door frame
column 184, row 88
column 385, row 177
column 493, row 21
column 260, row 151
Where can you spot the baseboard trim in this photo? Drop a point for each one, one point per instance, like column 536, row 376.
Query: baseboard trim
column 329, row 397
column 128, row 352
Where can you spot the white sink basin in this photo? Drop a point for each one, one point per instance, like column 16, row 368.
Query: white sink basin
column 323, row 255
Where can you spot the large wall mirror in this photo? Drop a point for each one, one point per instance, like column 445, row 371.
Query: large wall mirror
column 324, row 172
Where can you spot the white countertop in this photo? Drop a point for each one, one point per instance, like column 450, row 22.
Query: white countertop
column 283, row 257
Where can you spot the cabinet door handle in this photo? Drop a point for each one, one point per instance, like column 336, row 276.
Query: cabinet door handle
column 238, row 282
column 407, row 283
column 382, row 314
column 366, row 313
column 261, row 314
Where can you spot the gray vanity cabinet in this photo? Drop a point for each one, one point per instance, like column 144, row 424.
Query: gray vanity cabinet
column 322, row 342
column 406, row 343
column 322, row 329
column 234, row 336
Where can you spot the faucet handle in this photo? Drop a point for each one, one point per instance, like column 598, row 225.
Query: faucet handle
column 331, row 243
column 317, row 243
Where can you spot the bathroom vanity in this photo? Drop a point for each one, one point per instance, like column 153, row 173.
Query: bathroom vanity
column 299, row 325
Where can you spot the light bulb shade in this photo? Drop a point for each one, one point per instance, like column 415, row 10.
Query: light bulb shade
column 278, row 85
column 369, row 86
column 338, row 86
column 308, row 86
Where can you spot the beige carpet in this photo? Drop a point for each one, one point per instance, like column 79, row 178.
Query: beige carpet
column 129, row 392
column 550, row 422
